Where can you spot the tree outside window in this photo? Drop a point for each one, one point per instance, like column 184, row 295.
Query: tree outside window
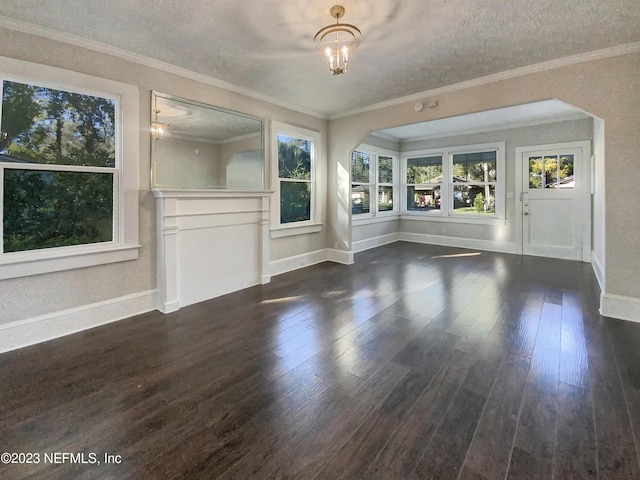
column 295, row 176
column 424, row 183
column 474, row 179
column 360, row 183
column 58, row 162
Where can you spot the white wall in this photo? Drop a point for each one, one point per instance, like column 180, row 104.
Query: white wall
column 186, row 163
column 241, row 162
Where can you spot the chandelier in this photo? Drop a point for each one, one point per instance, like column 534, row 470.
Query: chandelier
column 337, row 40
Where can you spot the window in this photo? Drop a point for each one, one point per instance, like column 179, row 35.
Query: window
column 424, row 183
column 68, row 198
column 474, row 178
column 385, row 184
column 462, row 182
column 373, row 182
column 58, row 163
column 557, row 172
column 297, row 205
column 294, row 174
column 360, row 183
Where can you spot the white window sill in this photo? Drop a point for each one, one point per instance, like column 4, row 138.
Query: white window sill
column 453, row 219
column 290, row 230
column 356, row 221
column 23, row 264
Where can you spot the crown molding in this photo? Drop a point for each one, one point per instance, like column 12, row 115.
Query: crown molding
column 517, row 72
column 78, row 41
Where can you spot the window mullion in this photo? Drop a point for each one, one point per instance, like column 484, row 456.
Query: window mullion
column 447, row 187
column 57, row 167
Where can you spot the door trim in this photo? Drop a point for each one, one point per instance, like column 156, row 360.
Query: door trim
column 585, row 146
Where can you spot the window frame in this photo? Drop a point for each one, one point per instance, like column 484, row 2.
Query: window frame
column 393, row 184
column 314, row 224
column 436, row 211
column 366, row 185
column 124, row 244
column 446, row 212
column 374, row 213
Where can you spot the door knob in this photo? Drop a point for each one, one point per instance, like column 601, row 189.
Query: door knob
column 526, row 213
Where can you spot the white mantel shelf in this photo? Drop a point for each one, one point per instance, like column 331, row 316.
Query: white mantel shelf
column 210, row 243
column 209, row 193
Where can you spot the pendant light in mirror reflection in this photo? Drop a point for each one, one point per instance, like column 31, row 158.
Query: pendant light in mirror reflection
column 158, row 129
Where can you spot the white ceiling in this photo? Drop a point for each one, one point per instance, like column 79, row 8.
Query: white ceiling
column 408, row 46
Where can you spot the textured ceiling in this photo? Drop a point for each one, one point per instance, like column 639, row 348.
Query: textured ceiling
column 408, row 46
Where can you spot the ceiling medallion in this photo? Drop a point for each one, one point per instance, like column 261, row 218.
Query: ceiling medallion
column 336, row 41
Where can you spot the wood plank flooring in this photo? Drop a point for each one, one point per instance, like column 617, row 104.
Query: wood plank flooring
column 416, row 362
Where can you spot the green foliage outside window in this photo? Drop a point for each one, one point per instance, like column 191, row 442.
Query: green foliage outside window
column 294, row 171
column 385, row 169
column 45, row 208
column 360, row 167
column 424, row 170
column 55, row 209
column 556, row 172
column 478, row 203
column 475, row 167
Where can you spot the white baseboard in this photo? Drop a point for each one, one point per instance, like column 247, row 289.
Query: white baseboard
column 459, row 242
column 340, row 256
column 169, row 307
column 295, row 262
column 346, row 256
column 619, row 306
column 38, row 329
column 598, row 269
column 362, row 245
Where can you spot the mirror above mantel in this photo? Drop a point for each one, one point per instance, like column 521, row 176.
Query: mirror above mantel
column 199, row 146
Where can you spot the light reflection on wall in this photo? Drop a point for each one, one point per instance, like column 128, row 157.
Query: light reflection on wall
column 344, row 206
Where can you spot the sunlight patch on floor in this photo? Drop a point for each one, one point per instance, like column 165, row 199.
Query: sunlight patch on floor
column 456, row 255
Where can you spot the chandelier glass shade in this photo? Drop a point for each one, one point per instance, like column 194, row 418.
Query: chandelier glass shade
column 337, row 41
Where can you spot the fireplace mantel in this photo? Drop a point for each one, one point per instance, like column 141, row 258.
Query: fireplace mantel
column 210, row 243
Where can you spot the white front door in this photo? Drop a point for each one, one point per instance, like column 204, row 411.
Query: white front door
column 553, row 204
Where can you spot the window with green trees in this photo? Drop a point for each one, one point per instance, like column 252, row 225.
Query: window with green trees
column 360, row 183
column 295, row 177
column 474, row 178
column 465, row 181
column 385, row 183
column 58, row 165
column 373, row 187
column 552, row 171
column 424, row 183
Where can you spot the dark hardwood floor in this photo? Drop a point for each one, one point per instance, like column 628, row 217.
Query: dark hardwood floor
column 416, row 362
